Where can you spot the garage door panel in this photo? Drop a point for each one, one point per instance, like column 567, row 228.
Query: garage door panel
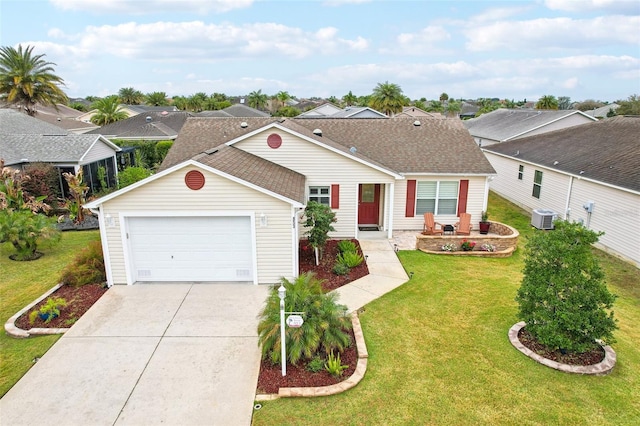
column 218, row 248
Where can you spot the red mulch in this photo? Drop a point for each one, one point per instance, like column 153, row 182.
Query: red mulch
column 324, row 271
column 79, row 300
column 591, row 357
column 270, row 378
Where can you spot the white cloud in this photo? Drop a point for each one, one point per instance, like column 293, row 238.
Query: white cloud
column 570, row 83
column 612, row 6
column 497, row 13
column 136, row 7
column 559, row 33
column 424, row 42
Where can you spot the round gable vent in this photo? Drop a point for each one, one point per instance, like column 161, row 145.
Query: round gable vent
column 194, row 180
column 274, row 141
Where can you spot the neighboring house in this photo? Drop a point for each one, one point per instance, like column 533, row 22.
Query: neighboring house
column 25, row 140
column 603, row 111
column 236, row 110
column 593, row 167
column 503, row 125
column 329, row 110
column 468, row 110
column 64, row 117
column 150, row 126
column 411, row 111
column 227, row 202
column 131, row 110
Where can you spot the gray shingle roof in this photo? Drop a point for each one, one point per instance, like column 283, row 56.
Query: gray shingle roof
column 13, row 122
column 395, row 144
column 607, row 151
column 505, row 124
column 163, row 125
column 256, row 170
column 17, row 149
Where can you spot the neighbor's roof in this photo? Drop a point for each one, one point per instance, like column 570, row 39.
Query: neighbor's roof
column 150, row 125
column 606, row 151
column 71, row 148
column 256, row 170
column 237, row 110
column 13, row 122
column 505, row 124
column 395, row 144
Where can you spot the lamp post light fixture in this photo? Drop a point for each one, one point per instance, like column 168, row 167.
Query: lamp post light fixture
column 283, row 352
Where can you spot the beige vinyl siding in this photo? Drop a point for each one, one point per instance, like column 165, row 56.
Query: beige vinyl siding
column 475, row 202
column 98, row 151
column 553, row 193
column 615, row 212
column 170, row 194
column 321, row 167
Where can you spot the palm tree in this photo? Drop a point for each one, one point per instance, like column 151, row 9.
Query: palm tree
column 547, row 102
column 350, row 99
column 156, row 99
column 387, row 98
column 197, row 102
column 453, row 108
column 27, row 80
column 180, row 102
column 435, row 106
column 283, row 97
column 258, row 100
column 130, row 96
column 444, row 97
column 109, row 111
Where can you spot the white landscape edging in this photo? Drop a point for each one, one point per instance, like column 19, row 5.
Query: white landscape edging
column 13, row 331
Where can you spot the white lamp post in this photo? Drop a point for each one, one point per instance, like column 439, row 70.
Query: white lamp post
column 283, row 354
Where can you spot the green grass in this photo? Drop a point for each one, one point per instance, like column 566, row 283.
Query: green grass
column 20, row 284
column 439, row 353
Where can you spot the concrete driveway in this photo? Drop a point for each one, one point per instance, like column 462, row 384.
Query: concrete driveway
column 172, row 354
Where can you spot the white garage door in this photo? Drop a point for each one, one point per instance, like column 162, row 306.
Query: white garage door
column 205, row 249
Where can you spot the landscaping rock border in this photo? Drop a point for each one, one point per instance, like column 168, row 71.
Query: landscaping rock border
column 347, row 384
column 600, row 369
column 13, row 331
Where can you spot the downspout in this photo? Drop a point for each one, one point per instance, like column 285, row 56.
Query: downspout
column 567, row 209
column 105, row 246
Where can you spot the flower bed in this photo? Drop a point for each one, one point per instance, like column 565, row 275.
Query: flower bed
column 501, row 241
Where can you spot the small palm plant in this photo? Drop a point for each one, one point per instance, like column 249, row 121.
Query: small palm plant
column 325, row 321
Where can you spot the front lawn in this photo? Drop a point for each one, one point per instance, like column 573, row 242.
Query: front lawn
column 439, row 353
column 20, row 284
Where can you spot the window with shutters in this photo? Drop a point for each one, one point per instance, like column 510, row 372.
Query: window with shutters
column 320, row 194
column 438, row 197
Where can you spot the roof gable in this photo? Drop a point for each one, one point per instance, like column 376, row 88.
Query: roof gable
column 607, row 151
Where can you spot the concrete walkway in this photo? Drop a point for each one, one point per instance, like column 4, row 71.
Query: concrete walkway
column 149, row 354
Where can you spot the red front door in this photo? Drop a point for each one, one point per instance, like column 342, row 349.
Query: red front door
column 368, row 203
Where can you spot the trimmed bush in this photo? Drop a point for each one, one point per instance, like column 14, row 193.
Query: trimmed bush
column 132, row 175
column 86, row 268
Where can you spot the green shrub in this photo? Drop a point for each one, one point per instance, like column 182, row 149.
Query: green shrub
column 50, row 309
column 44, row 181
column 350, row 258
column 563, row 297
column 340, row 269
column 334, row 365
column 315, row 365
column 325, row 321
column 132, row 175
column 319, row 223
column 25, row 230
column 347, row 246
column 86, row 268
column 162, row 148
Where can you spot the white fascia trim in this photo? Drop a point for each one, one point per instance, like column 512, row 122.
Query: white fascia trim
column 449, row 174
column 315, row 142
column 579, row 177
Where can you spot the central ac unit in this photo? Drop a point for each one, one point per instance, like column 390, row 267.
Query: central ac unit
column 543, row 218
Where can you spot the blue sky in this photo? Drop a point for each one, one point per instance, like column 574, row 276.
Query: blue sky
column 585, row 49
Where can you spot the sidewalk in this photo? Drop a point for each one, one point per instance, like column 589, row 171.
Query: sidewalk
column 385, row 274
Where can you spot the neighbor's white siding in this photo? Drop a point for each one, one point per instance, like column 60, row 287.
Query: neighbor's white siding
column 615, row 210
column 475, row 202
column 321, row 168
column 98, row 151
column 169, row 194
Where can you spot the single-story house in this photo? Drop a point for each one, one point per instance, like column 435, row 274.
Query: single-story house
column 131, row 110
column 412, row 111
column 150, row 126
column 236, row 110
column 227, row 202
column 503, row 124
column 588, row 173
column 603, row 111
column 329, row 110
column 26, row 140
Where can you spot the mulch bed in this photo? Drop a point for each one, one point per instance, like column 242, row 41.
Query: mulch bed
column 79, row 300
column 324, row 271
column 591, row 357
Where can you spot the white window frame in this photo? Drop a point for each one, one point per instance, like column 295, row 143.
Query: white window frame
column 520, row 171
column 316, row 194
column 437, row 199
column 537, row 185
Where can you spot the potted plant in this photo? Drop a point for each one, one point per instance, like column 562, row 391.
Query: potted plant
column 484, row 223
column 49, row 310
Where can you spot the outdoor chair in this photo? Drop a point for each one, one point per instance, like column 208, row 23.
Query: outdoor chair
column 430, row 225
column 463, row 225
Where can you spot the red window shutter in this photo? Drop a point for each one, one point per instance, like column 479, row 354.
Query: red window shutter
column 462, row 196
column 335, row 196
column 411, row 199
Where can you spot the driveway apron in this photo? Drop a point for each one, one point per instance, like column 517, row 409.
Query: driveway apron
column 172, row 354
